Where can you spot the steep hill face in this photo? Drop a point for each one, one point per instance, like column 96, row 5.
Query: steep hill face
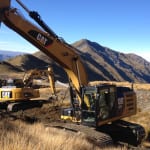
column 111, row 65
column 27, row 62
column 20, row 64
column 100, row 62
column 103, row 63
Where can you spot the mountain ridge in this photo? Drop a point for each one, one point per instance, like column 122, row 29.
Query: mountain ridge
column 131, row 67
column 5, row 54
column 101, row 63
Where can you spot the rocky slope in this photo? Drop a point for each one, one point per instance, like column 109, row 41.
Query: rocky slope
column 103, row 63
column 100, row 62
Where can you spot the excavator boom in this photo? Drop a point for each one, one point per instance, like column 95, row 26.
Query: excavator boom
column 47, row 41
column 4, row 4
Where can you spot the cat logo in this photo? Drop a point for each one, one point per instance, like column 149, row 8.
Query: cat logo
column 40, row 37
column 6, row 94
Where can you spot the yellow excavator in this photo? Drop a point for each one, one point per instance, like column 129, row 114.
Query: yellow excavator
column 101, row 106
column 15, row 90
column 19, row 92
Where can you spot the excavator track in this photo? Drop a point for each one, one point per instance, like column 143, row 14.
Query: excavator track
column 21, row 105
column 125, row 132
column 96, row 137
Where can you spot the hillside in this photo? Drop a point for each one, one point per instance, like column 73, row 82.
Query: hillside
column 19, row 64
column 112, row 65
column 27, row 62
column 103, row 63
column 100, row 62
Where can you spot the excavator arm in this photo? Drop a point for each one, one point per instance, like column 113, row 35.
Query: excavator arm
column 42, row 37
column 30, row 75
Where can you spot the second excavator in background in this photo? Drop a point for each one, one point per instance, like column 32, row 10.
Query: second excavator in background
column 18, row 93
column 101, row 106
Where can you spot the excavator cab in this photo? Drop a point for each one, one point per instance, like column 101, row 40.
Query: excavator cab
column 107, row 103
column 102, row 104
column 102, row 100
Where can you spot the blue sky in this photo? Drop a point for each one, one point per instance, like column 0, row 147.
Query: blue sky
column 122, row 25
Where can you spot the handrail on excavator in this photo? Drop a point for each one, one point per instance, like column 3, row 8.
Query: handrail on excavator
column 35, row 15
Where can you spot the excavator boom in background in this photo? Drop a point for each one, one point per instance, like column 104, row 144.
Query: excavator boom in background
column 100, row 106
column 41, row 74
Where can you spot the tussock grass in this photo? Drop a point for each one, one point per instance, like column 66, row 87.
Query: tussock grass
column 142, row 118
column 21, row 136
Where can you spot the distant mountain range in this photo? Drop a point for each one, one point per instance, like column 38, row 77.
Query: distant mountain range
column 100, row 62
column 8, row 54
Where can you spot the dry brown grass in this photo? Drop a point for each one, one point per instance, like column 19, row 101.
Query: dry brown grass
column 21, row 136
column 142, row 118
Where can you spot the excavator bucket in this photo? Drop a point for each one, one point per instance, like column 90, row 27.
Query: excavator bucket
column 4, row 4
